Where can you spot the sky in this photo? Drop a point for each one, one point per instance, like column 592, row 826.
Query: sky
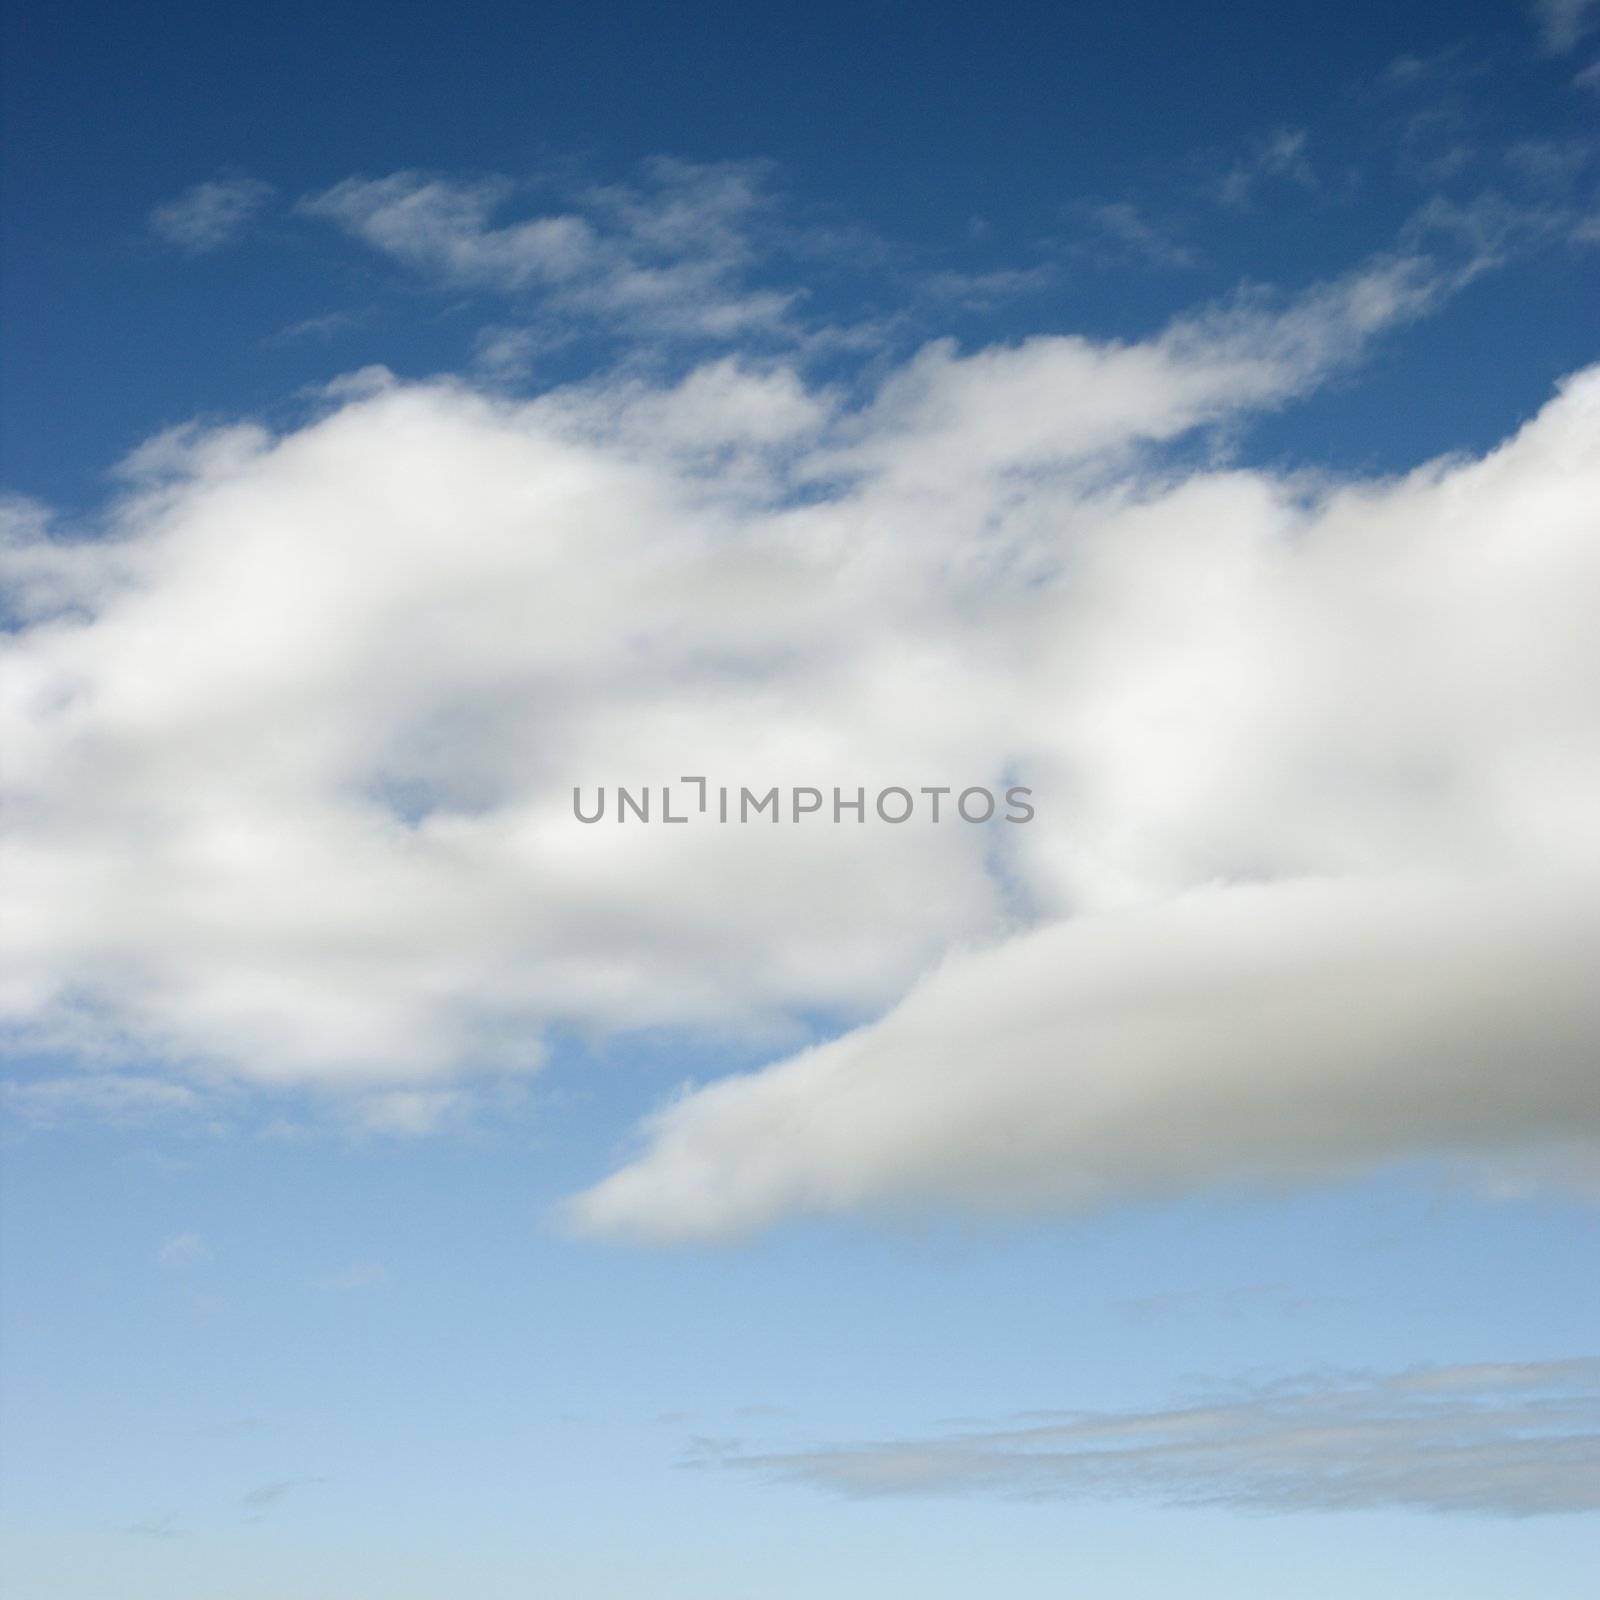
column 1179, row 427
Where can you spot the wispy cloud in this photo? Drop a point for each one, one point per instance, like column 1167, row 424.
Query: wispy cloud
column 668, row 255
column 1505, row 1440
column 211, row 214
column 1123, row 229
column 184, row 1250
column 1280, row 157
column 322, row 328
column 1562, row 23
column 105, row 1096
column 265, row 1496
column 165, row 1527
column 984, row 289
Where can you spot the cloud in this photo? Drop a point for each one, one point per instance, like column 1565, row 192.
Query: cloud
column 1501, row 1439
column 1562, row 23
column 265, row 1496
column 210, row 215
column 1268, row 1033
column 293, row 726
column 667, row 256
column 950, row 423
column 1280, row 156
column 981, row 290
column 1124, row 228
column 108, row 1096
column 155, row 1527
column 184, row 1250
column 321, row 329
column 1319, row 899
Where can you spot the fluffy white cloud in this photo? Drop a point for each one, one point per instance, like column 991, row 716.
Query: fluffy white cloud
column 291, row 749
column 1316, row 876
column 1510, row 1439
column 1266, row 1033
column 291, row 746
column 210, row 215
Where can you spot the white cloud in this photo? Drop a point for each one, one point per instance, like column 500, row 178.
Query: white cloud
column 108, row 1096
column 666, row 257
column 1562, row 23
column 291, row 743
column 210, row 215
column 1280, row 157
column 444, row 228
column 981, row 290
column 1497, row 1439
column 1325, row 874
column 1266, row 1033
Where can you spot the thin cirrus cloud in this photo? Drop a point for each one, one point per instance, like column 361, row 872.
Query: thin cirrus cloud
column 184, row 1250
column 1496, row 1439
column 292, row 743
column 667, row 255
column 1562, row 24
column 210, row 215
column 1278, row 158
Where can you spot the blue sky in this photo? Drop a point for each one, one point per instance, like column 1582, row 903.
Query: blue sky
column 1192, row 416
column 912, row 128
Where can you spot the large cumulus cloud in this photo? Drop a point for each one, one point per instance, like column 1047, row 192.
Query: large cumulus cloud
column 290, row 747
column 1322, row 889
